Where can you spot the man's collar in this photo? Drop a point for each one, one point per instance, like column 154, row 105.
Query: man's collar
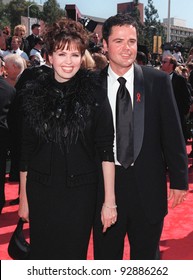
column 127, row 75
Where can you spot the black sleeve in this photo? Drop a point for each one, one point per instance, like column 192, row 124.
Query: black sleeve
column 104, row 134
column 28, row 145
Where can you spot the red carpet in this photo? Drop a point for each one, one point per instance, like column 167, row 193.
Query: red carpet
column 176, row 241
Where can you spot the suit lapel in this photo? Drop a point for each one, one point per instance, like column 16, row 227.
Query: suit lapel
column 139, row 110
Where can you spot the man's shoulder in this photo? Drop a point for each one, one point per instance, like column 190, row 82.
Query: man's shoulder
column 29, row 37
column 153, row 72
column 5, row 86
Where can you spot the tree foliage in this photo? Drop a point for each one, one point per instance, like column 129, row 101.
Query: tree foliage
column 4, row 21
column 135, row 13
column 10, row 14
column 152, row 25
column 51, row 11
column 15, row 9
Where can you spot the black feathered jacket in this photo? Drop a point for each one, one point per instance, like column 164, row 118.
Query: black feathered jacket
column 64, row 125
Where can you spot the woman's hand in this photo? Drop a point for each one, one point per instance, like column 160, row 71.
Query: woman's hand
column 23, row 211
column 108, row 216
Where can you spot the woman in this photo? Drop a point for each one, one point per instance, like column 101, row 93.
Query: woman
column 20, row 31
column 67, row 117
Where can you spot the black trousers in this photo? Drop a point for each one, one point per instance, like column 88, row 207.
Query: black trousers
column 4, row 137
column 143, row 236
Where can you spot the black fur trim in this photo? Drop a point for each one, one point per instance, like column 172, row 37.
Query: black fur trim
column 59, row 112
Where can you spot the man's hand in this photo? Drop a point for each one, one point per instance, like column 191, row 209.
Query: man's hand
column 178, row 196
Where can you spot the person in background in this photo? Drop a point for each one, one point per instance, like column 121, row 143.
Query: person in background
column 177, row 53
column 88, row 61
column 6, row 34
column 142, row 100
column 36, row 50
column 67, row 117
column 20, row 31
column 7, row 95
column 190, row 56
column 190, row 71
column 100, row 60
column 96, row 38
column 15, row 65
column 190, row 81
column 2, row 43
column 35, row 28
column 180, row 88
column 16, row 42
column 141, row 58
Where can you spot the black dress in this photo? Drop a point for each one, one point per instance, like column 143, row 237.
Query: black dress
column 65, row 126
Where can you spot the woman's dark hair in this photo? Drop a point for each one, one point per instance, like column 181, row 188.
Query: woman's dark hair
column 65, row 32
column 117, row 20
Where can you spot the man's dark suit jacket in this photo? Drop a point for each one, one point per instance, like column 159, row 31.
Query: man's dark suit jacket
column 158, row 140
column 190, row 79
column 7, row 95
column 181, row 93
column 31, row 39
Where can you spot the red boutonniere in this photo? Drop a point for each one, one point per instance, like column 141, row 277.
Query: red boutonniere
column 138, row 97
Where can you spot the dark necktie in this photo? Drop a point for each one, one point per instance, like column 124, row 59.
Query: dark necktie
column 124, row 125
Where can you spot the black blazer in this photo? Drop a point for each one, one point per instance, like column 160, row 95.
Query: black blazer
column 181, row 93
column 50, row 159
column 7, row 95
column 158, row 140
column 190, row 79
column 31, row 41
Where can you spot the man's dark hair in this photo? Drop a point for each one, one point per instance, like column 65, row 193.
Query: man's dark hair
column 117, row 20
column 141, row 58
column 35, row 25
column 38, row 40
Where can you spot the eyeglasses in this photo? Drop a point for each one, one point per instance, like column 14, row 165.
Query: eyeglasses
column 163, row 62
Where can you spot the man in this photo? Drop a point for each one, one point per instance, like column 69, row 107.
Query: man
column 36, row 50
column 15, row 48
column 14, row 66
column 141, row 58
column 181, row 91
column 30, row 73
column 35, row 28
column 190, row 70
column 7, row 94
column 158, row 144
column 190, row 81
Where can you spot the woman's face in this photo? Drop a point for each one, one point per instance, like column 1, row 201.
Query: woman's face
column 66, row 63
column 21, row 32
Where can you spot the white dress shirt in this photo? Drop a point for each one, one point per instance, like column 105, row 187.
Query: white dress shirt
column 112, row 89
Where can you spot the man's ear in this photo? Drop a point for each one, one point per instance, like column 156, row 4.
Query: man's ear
column 105, row 46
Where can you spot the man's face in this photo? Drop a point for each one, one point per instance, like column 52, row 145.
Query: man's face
column 96, row 38
column 36, row 31
column 121, row 48
column 15, row 44
column 166, row 65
